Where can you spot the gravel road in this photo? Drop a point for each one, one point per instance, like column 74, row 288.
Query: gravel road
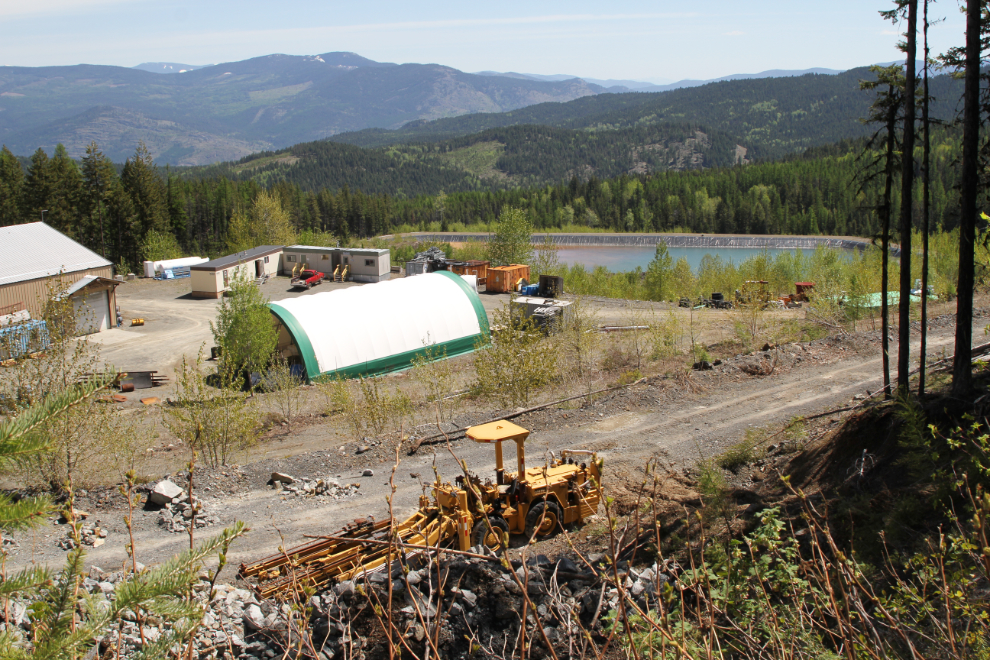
column 676, row 419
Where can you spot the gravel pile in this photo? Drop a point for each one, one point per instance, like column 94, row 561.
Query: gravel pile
column 326, row 488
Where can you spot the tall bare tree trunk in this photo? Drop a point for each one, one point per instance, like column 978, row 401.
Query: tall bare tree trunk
column 962, row 368
column 907, row 206
column 925, row 209
column 885, row 241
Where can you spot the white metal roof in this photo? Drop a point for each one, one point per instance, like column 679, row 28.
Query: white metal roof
column 35, row 250
column 370, row 324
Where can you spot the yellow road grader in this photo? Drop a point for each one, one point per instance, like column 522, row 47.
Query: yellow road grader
column 470, row 512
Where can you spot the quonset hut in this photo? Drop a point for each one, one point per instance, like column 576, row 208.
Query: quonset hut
column 379, row 328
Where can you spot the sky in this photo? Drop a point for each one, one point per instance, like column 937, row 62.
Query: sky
column 653, row 41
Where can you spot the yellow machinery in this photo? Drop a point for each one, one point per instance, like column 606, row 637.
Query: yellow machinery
column 534, row 501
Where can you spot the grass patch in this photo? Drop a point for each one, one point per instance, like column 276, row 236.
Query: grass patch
column 478, row 159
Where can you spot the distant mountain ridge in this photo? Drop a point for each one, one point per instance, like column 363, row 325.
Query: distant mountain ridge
column 168, row 67
column 770, row 117
column 230, row 110
column 643, row 86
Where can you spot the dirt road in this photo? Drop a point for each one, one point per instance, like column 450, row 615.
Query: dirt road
column 674, row 419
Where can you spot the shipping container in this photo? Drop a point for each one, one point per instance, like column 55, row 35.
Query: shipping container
column 502, row 279
column 473, row 267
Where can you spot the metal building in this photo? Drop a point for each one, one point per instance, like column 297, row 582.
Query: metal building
column 40, row 262
column 379, row 328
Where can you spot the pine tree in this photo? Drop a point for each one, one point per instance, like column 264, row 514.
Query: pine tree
column 925, row 205
column 66, row 192
column 962, row 367
column 99, row 177
column 907, row 186
column 147, row 192
column 38, row 187
column 885, row 111
column 11, row 188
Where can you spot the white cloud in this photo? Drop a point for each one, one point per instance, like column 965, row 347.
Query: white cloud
column 13, row 8
column 734, row 33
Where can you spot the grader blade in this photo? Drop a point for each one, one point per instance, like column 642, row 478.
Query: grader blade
column 353, row 550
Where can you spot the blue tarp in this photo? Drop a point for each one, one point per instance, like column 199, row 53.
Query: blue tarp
column 22, row 339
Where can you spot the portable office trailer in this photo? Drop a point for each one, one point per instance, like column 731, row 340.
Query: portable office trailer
column 211, row 279
column 379, row 328
column 502, row 279
column 363, row 264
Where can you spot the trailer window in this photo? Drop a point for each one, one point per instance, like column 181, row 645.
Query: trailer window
column 369, row 262
column 291, row 257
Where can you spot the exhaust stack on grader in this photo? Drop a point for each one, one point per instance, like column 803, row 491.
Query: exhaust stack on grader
column 534, row 501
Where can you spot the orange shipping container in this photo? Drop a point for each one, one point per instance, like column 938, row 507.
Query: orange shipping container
column 474, row 267
column 502, row 279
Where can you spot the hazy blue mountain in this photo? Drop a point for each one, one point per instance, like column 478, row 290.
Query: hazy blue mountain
column 226, row 111
column 657, row 86
column 168, row 67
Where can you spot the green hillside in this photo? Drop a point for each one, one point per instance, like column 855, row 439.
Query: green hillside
column 494, row 159
column 771, row 117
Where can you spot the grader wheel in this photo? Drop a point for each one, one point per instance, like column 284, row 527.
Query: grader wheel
column 543, row 519
column 490, row 537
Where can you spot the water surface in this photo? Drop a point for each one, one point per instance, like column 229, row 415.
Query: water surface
column 627, row 258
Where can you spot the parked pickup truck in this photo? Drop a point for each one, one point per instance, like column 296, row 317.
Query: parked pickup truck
column 306, row 279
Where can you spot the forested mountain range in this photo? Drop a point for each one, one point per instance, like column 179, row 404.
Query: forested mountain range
column 227, row 111
column 602, row 136
column 500, row 158
column 771, row 117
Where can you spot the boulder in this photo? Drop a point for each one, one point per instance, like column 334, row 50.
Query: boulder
column 164, row 493
column 278, row 477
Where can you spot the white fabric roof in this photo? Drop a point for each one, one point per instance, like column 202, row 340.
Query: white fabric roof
column 361, row 324
column 35, row 250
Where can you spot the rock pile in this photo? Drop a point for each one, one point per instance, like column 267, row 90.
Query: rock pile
column 459, row 603
column 177, row 510
column 178, row 515
column 329, row 488
column 90, row 534
column 471, row 599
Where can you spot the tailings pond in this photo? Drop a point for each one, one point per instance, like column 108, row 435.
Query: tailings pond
column 627, row 257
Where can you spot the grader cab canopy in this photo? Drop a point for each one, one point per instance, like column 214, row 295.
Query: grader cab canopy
column 471, row 512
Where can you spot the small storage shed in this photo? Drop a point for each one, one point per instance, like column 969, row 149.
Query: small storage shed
column 363, row 264
column 211, row 279
column 38, row 262
column 502, row 279
column 91, row 309
column 380, row 328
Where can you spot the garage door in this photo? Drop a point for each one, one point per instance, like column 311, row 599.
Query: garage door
column 92, row 313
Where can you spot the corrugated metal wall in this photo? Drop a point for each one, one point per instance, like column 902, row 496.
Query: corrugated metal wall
column 34, row 293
